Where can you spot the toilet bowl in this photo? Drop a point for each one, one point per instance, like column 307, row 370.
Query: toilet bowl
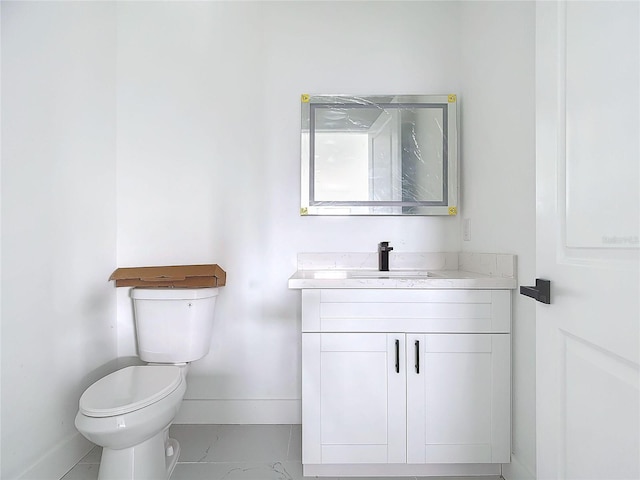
column 129, row 413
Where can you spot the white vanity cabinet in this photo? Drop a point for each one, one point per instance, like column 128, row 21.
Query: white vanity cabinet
column 353, row 400
column 405, row 377
column 458, row 399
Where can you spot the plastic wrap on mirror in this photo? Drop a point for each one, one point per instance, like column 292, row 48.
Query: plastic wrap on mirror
column 379, row 155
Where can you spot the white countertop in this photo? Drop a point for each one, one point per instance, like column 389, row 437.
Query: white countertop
column 420, row 270
column 375, row 279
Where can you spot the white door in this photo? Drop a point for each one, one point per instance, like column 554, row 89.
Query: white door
column 458, row 398
column 587, row 182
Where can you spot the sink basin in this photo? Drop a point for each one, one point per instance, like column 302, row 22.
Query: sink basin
column 391, row 274
column 371, row 274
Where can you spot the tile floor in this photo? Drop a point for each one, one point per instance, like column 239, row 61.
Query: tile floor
column 228, row 452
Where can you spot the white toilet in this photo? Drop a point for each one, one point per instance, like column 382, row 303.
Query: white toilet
column 129, row 412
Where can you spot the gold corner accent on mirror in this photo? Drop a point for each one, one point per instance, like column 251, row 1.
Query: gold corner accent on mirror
column 305, row 97
column 453, row 98
column 304, row 211
column 453, row 210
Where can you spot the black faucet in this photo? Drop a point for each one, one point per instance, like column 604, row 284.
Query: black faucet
column 383, row 256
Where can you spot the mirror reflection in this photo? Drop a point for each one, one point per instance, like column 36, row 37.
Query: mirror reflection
column 379, row 155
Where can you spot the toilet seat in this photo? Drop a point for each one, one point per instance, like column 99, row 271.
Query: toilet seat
column 129, row 389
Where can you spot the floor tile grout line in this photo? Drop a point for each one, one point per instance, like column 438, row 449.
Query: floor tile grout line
column 289, row 443
column 238, row 462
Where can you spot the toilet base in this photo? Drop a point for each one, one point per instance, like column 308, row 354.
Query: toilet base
column 171, row 446
column 149, row 460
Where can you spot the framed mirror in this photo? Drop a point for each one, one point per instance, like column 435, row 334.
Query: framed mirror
column 379, row 155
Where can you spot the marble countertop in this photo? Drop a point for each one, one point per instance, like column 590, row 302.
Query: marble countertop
column 375, row 279
column 419, row 271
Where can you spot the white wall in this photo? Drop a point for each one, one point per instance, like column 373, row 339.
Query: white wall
column 58, row 226
column 209, row 162
column 498, row 178
column 189, row 122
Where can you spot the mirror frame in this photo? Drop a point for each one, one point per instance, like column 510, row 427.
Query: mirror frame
column 449, row 204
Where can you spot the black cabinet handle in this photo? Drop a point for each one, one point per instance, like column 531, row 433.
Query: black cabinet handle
column 541, row 292
column 418, row 356
column 397, row 356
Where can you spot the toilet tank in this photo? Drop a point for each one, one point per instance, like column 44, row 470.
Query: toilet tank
column 173, row 325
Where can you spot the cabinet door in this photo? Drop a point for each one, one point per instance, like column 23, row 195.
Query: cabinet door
column 458, row 398
column 354, row 391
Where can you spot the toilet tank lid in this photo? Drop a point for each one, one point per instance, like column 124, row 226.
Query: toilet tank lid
column 173, row 293
column 129, row 389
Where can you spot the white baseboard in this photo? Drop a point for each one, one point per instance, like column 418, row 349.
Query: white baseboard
column 488, row 471
column 516, row 470
column 242, row 412
column 59, row 460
